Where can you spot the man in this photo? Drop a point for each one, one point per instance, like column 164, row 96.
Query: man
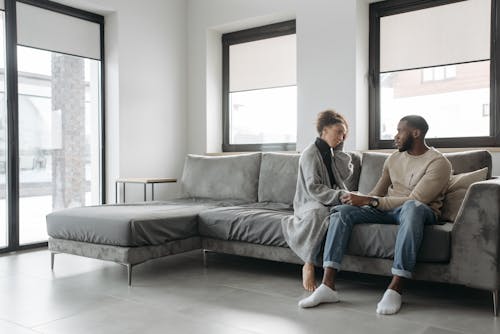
column 409, row 194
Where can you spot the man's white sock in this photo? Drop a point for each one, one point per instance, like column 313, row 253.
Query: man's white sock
column 323, row 294
column 390, row 302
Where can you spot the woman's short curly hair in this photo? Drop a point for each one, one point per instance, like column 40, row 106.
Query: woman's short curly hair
column 327, row 118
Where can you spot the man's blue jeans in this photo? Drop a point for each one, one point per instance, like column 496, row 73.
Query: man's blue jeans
column 411, row 217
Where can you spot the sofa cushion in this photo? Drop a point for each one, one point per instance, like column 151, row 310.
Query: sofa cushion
column 242, row 223
column 221, row 177
column 278, row 177
column 457, row 188
column 138, row 224
column 371, row 170
column 379, row 240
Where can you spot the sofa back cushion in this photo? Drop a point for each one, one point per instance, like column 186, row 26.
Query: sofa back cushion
column 461, row 162
column 221, row 177
column 371, row 170
column 465, row 162
column 353, row 183
column 278, row 177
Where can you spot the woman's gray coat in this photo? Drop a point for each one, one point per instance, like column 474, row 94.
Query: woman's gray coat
column 305, row 230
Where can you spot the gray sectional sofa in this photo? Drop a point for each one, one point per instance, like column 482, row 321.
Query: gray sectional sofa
column 234, row 204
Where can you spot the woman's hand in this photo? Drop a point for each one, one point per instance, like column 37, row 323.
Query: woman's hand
column 354, row 199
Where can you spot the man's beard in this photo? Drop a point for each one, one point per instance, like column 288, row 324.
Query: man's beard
column 408, row 144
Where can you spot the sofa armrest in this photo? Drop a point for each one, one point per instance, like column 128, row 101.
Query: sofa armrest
column 475, row 237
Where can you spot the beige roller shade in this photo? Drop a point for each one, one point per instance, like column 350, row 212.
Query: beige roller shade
column 48, row 30
column 448, row 34
column 264, row 63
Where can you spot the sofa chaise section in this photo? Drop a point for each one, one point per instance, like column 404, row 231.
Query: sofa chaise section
column 133, row 233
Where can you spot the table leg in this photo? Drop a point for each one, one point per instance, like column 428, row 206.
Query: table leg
column 116, row 192
column 145, row 192
column 152, row 191
column 124, row 192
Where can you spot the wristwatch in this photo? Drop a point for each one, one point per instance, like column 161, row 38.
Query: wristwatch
column 373, row 203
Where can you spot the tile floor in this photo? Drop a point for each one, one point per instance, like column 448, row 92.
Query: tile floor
column 232, row 295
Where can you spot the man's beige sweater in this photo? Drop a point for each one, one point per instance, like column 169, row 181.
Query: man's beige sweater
column 422, row 177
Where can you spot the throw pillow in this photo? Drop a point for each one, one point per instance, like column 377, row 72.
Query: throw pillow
column 457, row 187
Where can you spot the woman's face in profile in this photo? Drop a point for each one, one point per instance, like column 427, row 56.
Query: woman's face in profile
column 334, row 134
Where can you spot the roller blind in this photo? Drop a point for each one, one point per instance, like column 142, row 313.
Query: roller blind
column 48, row 30
column 265, row 63
column 448, row 34
column 2, row 4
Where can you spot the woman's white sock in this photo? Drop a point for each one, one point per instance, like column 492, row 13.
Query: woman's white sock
column 390, row 302
column 323, row 294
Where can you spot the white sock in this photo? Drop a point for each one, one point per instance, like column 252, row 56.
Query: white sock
column 323, row 294
column 390, row 302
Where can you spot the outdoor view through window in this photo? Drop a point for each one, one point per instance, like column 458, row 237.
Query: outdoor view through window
column 264, row 116
column 58, row 138
column 454, row 98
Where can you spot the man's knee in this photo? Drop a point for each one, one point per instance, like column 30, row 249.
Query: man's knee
column 414, row 207
column 344, row 214
column 413, row 212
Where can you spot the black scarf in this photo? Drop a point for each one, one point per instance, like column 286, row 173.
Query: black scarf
column 326, row 154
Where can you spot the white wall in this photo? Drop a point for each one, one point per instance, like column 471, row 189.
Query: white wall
column 163, row 76
column 332, row 64
column 146, row 100
column 330, row 72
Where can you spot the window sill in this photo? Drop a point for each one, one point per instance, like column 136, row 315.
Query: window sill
column 444, row 149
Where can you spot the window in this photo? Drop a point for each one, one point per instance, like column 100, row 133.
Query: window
column 4, row 227
column 426, row 59
column 53, row 132
column 439, row 73
column 259, row 88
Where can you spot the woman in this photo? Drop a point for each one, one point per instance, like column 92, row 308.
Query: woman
column 323, row 170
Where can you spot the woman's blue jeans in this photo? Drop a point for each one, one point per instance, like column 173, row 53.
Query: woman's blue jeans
column 411, row 217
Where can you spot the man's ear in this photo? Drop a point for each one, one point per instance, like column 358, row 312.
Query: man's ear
column 417, row 133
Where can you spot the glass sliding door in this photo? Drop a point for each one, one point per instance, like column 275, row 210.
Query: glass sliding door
column 4, row 236
column 51, row 119
column 59, row 159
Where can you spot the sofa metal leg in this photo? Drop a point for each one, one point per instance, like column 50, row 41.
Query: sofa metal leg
column 205, row 260
column 52, row 256
column 495, row 302
column 129, row 273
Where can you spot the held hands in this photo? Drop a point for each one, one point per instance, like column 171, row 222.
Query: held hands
column 354, row 199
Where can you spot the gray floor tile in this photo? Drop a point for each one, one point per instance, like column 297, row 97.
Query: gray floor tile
column 232, row 295
column 30, row 301
column 435, row 330
column 126, row 317
column 11, row 328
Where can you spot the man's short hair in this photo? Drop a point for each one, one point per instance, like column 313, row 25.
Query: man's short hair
column 416, row 122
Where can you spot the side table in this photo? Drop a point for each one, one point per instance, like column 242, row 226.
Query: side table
column 142, row 180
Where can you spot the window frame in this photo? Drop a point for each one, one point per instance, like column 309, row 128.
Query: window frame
column 243, row 36
column 391, row 7
column 12, row 105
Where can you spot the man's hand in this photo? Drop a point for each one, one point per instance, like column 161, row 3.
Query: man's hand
column 354, row 199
